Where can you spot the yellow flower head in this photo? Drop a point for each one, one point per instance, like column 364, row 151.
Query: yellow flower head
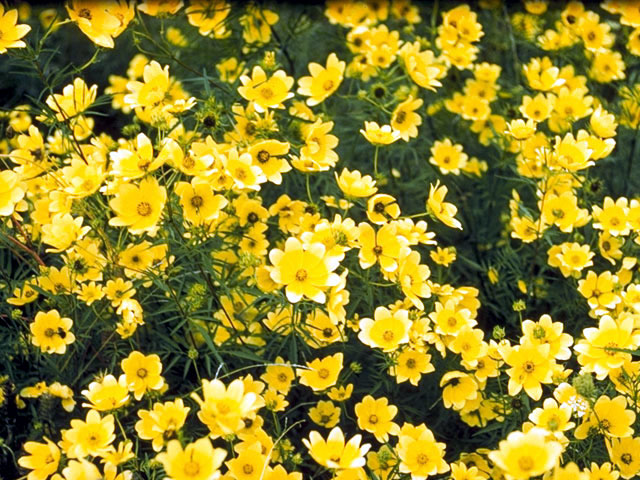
column 42, row 459
column 197, row 461
column 445, row 212
column 322, row 373
column 323, row 81
column 304, row 270
column 266, row 92
column 139, row 207
column 51, row 332
column 375, row 416
column 379, row 135
column 107, row 394
column 334, row 453
column 142, row 373
column 10, row 32
column 526, row 455
column 387, row 330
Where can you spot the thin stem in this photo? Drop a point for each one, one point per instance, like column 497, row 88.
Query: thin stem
column 375, row 161
column 309, row 189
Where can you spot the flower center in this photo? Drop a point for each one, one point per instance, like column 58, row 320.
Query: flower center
column 301, row 275
column 525, row 463
column 328, row 85
column 191, row 469
column 144, row 209
column 196, row 201
column 388, row 335
column 142, row 372
column 528, row 367
column 323, row 373
column 263, row 156
column 266, row 93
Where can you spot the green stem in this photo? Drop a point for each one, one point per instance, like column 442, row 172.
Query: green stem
column 308, row 189
column 375, row 162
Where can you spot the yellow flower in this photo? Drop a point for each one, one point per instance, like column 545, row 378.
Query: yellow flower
column 530, row 368
column 599, row 291
column 422, row 66
column 267, row 154
column 223, row 409
column 379, row 135
column 405, row 120
column 596, row 351
column 341, row 394
column 412, row 277
column 323, row 81
column 375, row 416
column 80, row 470
column 241, row 169
column 101, row 22
column 354, row 184
column 279, row 375
column 63, row 232
column 139, row 207
column 610, row 416
column 411, row 365
column 209, row 16
column 552, row 417
column 602, row 472
column 199, row 203
column 570, row 258
column 51, row 332
column 135, row 158
column 42, row 459
column 623, row 453
column 387, row 330
column 91, row 437
column 526, row 455
column 448, row 157
column 10, row 31
column 153, row 8
column 266, row 92
column 305, row 270
column 458, row 389
column 334, row 453
column 321, row 373
column 197, row 461
column 11, row 192
column 107, row 394
column 381, row 208
column 250, row 464
column 142, row 373
column 521, row 130
column 419, row 453
column 547, row 332
column 443, row 256
column 75, row 99
column 383, row 246
column 612, row 217
column 162, row 422
column 325, row 414
column 445, row 212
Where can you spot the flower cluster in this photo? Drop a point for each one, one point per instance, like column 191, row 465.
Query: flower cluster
column 369, row 239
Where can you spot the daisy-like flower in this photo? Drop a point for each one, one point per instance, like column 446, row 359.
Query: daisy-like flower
column 266, row 92
column 445, row 212
column 323, row 81
column 380, row 135
column 305, row 270
column 10, row 31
